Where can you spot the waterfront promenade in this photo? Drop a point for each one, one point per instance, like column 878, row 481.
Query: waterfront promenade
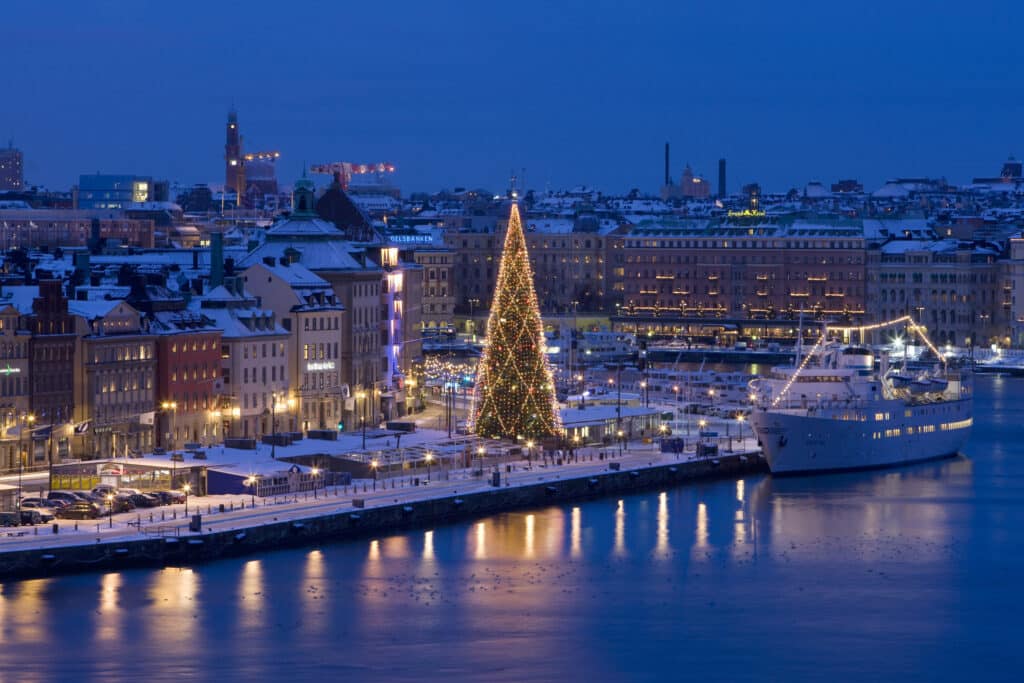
column 240, row 514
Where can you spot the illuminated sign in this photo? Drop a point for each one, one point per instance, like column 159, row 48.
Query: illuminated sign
column 746, row 213
column 320, row 365
column 9, row 371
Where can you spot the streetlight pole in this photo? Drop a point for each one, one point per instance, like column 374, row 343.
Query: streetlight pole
column 186, row 488
column 373, row 465
column 428, row 457
column 171, row 407
column 251, row 481
column 315, row 471
column 362, row 416
column 480, row 455
column 273, row 425
column 110, row 509
column 29, row 420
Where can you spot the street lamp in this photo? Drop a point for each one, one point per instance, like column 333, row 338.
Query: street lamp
column 480, row 454
column 529, row 454
column 171, row 407
column 110, row 508
column 621, row 435
column 428, row 457
column 315, row 471
column 251, row 483
column 362, row 417
column 373, row 466
column 273, row 425
column 740, row 418
column 187, row 488
column 643, row 389
column 29, row 420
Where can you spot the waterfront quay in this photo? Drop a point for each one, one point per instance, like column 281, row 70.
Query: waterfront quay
column 230, row 525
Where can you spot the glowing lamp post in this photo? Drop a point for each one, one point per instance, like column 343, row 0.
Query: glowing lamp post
column 428, row 457
column 315, row 472
column 362, row 419
column 110, row 509
column 187, row 488
column 251, row 483
column 529, row 454
column 171, row 408
column 373, row 466
column 480, row 451
column 622, row 437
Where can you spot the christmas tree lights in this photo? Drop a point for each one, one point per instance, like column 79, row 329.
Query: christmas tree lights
column 515, row 391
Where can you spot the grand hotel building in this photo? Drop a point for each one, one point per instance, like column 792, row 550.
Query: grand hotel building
column 743, row 276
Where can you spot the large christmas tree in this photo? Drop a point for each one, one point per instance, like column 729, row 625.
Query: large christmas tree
column 515, row 392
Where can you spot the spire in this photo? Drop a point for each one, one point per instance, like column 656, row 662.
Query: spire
column 515, row 391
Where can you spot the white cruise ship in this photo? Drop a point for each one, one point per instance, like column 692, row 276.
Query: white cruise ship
column 835, row 411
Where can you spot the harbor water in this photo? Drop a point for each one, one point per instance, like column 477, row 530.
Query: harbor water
column 910, row 574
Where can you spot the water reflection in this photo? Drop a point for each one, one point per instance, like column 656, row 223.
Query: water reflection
column 700, row 541
column 24, row 610
column 108, row 622
column 312, row 594
column 428, row 546
column 661, row 548
column 529, row 540
column 250, row 595
column 575, row 535
column 620, row 530
column 481, row 541
column 173, row 596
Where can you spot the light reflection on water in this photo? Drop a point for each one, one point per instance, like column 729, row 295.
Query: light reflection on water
column 905, row 574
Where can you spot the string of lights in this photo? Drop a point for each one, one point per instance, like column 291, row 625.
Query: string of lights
column 912, row 325
column 803, row 364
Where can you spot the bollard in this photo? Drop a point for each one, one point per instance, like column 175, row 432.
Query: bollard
column 76, row 526
column 163, row 515
column 35, row 531
column 150, row 516
column 56, row 528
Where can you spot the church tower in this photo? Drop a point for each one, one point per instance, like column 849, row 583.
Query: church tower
column 234, row 172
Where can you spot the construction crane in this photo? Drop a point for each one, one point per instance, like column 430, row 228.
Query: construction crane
column 344, row 170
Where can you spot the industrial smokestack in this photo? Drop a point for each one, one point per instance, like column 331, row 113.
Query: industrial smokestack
column 721, row 178
column 668, row 179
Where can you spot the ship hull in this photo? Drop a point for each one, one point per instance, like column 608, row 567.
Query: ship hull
column 802, row 441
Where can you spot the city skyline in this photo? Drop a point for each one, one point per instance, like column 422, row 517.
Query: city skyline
column 599, row 93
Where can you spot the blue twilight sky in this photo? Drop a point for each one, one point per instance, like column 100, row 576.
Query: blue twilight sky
column 575, row 92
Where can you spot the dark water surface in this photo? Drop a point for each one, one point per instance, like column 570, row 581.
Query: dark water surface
column 904, row 575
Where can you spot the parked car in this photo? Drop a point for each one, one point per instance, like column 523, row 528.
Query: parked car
column 81, row 509
column 66, row 496
column 30, row 516
column 10, row 519
column 104, row 490
column 115, row 505
column 42, row 503
column 170, row 497
column 144, row 500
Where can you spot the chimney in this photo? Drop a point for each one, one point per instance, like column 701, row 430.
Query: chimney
column 668, row 178
column 721, row 178
column 268, row 260
column 216, row 259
